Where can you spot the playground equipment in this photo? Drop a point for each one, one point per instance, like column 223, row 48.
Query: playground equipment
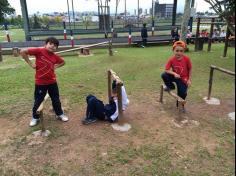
column 179, row 100
column 212, row 68
column 111, row 75
column 86, row 47
column 43, row 132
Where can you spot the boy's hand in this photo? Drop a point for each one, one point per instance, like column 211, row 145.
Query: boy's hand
column 189, row 83
column 176, row 75
column 33, row 65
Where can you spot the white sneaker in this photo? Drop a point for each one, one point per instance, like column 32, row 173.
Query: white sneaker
column 63, row 118
column 34, row 122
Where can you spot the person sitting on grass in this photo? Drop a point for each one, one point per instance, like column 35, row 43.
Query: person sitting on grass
column 178, row 69
column 45, row 78
column 96, row 110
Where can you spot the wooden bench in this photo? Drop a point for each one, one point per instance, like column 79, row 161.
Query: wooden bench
column 152, row 42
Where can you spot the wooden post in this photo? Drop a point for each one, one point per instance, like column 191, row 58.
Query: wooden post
column 42, row 121
column 161, row 94
column 110, row 48
column 211, row 33
column 109, row 84
column 0, row 53
column 226, row 42
column 119, row 95
column 40, row 113
column 197, row 33
column 210, row 83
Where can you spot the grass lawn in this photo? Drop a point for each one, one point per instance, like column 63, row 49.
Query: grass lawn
column 153, row 146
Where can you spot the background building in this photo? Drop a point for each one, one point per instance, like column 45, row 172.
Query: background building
column 163, row 10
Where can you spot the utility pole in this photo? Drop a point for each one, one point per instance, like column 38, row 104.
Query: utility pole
column 174, row 13
column 138, row 13
column 125, row 13
column 191, row 17
column 153, row 23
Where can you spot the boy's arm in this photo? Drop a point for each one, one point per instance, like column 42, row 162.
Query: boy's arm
column 25, row 55
column 172, row 73
column 59, row 65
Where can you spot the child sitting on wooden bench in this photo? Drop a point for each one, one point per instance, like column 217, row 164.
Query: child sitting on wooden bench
column 178, row 69
column 96, row 110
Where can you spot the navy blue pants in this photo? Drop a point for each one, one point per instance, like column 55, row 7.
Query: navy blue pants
column 95, row 108
column 39, row 94
column 181, row 86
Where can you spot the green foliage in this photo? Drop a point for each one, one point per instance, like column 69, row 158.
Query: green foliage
column 5, row 9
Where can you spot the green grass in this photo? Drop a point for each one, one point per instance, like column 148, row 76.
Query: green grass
column 78, row 77
column 140, row 69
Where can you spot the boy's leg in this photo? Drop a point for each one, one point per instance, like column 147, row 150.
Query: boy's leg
column 53, row 92
column 182, row 91
column 168, row 80
column 91, row 110
column 39, row 94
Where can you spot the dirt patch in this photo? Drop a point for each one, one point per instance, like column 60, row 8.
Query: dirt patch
column 73, row 148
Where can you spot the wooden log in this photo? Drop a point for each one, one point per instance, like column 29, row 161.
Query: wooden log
column 40, row 112
column 115, row 77
column 161, row 94
column 82, row 47
column 223, row 70
column 40, row 108
column 179, row 99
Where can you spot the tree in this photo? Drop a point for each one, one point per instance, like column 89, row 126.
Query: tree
column 5, row 9
column 184, row 25
column 226, row 10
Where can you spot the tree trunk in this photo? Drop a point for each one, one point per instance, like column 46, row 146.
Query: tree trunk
column 184, row 25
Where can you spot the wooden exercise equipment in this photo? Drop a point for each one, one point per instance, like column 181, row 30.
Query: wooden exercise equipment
column 119, row 83
column 40, row 113
column 82, row 47
column 171, row 93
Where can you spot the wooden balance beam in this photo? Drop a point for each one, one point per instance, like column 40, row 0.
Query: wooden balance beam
column 82, row 47
column 174, row 95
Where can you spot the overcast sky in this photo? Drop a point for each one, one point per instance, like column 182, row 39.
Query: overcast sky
column 45, row 6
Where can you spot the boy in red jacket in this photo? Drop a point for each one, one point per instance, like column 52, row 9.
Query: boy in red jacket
column 178, row 69
column 45, row 78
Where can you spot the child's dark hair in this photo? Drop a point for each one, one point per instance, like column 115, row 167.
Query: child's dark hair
column 52, row 40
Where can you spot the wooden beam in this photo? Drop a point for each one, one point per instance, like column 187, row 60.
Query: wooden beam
column 115, row 77
column 40, row 108
column 223, row 70
column 82, row 47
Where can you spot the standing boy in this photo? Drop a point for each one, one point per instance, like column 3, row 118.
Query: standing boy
column 178, row 69
column 45, row 78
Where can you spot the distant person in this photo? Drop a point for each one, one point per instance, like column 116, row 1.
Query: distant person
column 178, row 70
column 222, row 35
column 45, row 78
column 144, row 35
column 175, row 34
column 188, row 37
column 96, row 110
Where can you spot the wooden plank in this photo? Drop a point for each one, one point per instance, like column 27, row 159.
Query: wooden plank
column 82, row 47
column 42, row 104
column 177, row 97
column 223, row 70
column 115, row 77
